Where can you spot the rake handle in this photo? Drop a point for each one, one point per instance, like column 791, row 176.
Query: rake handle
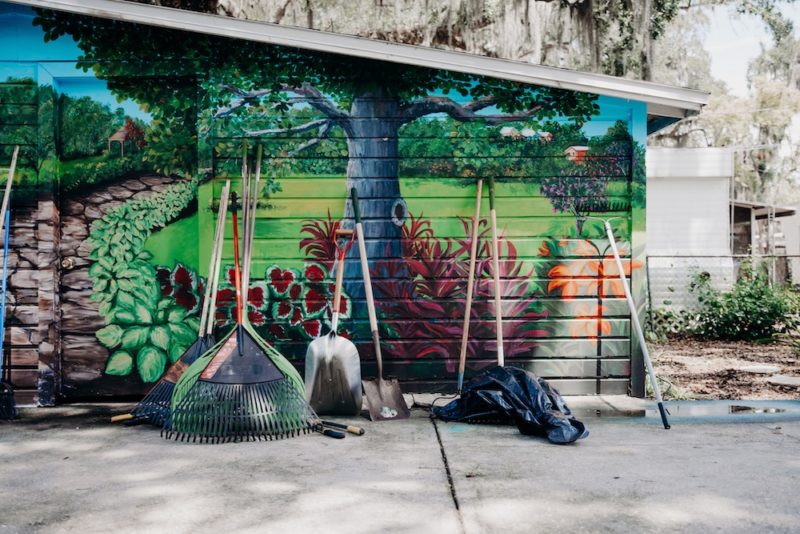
column 237, row 272
column 208, row 306
column 473, row 253
column 498, row 298
column 9, row 182
column 210, row 320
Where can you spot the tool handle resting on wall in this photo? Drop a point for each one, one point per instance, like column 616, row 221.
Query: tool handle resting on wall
column 637, row 326
column 473, row 254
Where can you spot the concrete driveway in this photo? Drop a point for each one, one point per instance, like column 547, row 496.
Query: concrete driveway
column 68, row 470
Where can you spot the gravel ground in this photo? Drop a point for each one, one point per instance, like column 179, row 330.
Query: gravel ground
column 726, row 370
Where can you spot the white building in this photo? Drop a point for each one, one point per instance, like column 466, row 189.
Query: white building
column 694, row 225
column 688, row 214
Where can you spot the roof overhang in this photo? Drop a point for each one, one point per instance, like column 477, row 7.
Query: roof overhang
column 665, row 104
column 762, row 210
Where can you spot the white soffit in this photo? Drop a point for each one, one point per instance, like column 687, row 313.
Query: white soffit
column 663, row 162
column 662, row 100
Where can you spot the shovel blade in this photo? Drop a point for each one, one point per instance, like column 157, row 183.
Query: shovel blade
column 333, row 376
column 385, row 400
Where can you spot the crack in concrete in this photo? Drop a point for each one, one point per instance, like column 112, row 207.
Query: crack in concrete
column 449, row 474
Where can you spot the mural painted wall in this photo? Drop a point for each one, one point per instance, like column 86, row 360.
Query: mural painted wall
column 133, row 130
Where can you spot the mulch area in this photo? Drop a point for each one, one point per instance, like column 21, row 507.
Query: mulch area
column 725, row 369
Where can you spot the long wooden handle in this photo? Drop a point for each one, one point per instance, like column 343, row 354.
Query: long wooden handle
column 223, row 206
column 251, row 213
column 498, row 298
column 337, row 293
column 362, row 252
column 237, row 273
column 211, row 264
column 7, row 193
column 473, row 254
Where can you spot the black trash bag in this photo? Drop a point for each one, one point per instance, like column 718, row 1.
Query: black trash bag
column 513, row 395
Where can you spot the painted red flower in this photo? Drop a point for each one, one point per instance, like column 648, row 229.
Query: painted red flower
column 314, row 272
column 297, row 317
column 164, row 277
column 312, row 327
column 314, row 301
column 278, row 331
column 280, row 280
column 255, row 296
column 256, row 317
column 225, row 297
column 295, row 291
column 282, row 309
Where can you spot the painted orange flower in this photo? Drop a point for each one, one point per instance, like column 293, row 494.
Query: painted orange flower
column 589, row 322
column 582, row 277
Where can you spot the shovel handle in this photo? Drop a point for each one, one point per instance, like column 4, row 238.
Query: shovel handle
column 121, row 417
column 357, row 430
column 362, row 249
column 335, row 434
column 342, row 250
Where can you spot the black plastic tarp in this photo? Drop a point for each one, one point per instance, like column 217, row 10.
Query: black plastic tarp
column 514, row 395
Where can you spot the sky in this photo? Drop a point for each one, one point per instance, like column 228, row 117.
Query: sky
column 734, row 40
column 21, row 41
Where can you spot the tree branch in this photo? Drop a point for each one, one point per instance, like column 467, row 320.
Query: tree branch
column 292, row 129
column 463, row 113
column 323, row 133
column 311, row 95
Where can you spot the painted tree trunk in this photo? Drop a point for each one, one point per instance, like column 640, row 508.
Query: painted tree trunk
column 373, row 170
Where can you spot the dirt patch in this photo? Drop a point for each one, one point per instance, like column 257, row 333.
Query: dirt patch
column 726, row 370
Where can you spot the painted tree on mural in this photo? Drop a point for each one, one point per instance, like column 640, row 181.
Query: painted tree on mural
column 369, row 101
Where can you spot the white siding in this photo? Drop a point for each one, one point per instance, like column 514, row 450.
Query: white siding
column 688, row 211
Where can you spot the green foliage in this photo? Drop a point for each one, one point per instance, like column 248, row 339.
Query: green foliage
column 81, row 175
column 753, row 310
column 27, row 123
column 85, row 126
column 169, row 87
column 144, row 325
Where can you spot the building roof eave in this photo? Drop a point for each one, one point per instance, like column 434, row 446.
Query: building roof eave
column 662, row 100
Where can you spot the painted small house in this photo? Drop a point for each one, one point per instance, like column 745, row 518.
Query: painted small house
column 576, row 153
column 109, row 250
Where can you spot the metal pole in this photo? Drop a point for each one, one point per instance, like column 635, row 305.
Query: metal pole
column 637, row 326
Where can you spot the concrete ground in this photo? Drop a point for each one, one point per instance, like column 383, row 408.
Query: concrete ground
column 69, row 470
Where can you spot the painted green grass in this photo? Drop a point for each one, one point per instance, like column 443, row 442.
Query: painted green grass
column 524, row 215
column 176, row 242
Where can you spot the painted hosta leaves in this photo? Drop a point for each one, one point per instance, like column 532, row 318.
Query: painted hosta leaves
column 135, row 337
column 150, row 362
column 119, row 364
column 150, row 311
column 110, row 336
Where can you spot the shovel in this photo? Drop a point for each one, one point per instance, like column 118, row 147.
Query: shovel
column 333, row 369
column 384, row 398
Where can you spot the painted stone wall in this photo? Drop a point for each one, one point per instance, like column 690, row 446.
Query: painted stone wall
column 119, row 278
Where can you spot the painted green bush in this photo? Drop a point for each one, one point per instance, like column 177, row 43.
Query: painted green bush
column 145, row 327
column 77, row 176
